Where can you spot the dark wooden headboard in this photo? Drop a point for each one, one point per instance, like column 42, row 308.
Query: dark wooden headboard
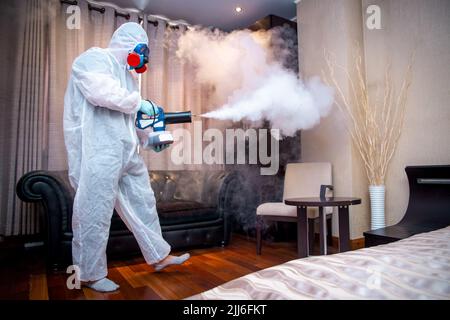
column 429, row 196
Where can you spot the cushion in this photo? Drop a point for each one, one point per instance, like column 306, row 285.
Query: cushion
column 175, row 212
column 185, row 211
column 281, row 209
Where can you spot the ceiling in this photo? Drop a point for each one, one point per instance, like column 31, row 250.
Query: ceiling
column 217, row 13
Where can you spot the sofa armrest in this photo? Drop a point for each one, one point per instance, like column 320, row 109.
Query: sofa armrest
column 45, row 187
column 226, row 200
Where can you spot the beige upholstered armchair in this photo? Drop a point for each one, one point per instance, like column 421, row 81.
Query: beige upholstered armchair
column 301, row 180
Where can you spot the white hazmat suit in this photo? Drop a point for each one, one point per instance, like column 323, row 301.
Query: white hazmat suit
column 104, row 167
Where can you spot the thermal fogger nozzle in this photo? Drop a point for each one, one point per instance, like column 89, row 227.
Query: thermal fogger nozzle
column 177, row 117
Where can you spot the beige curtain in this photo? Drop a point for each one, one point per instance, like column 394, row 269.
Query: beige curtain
column 169, row 82
column 39, row 54
column 96, row 28
column 24, row 113
column 172, row 83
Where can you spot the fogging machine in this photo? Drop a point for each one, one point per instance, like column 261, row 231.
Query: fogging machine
column 158, row 123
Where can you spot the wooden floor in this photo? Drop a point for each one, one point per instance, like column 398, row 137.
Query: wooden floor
column 24, row 277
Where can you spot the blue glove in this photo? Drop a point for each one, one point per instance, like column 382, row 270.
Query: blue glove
column 148, row 108
column 160, row 147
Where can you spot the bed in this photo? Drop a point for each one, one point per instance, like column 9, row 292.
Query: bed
column 414, row 268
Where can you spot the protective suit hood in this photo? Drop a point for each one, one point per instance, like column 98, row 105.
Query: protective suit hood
column 125, row 38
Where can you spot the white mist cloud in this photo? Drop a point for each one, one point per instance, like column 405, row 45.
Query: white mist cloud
column 250, row 83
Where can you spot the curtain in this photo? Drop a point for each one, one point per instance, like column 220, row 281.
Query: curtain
column 24, row 113
column 96, row 28
column 171, row 83
column 39, row 56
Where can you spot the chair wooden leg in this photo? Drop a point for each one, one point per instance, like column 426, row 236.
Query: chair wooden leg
column 311, row 234
column 258, row 235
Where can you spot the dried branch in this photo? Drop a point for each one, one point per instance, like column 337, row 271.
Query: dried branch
column 374, row 126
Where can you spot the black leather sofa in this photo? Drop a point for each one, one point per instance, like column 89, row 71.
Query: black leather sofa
column 194, row 207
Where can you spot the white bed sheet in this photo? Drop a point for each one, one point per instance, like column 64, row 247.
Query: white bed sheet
column 413, row 268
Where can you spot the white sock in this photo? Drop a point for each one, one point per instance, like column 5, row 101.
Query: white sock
column 103, row 285
column 170, row 260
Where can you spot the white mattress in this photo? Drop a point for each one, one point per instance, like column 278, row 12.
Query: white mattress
column 413, row 268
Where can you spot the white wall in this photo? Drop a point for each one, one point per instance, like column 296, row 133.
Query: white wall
column 406, row 24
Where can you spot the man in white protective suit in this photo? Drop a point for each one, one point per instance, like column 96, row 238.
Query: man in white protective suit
column 100, row 104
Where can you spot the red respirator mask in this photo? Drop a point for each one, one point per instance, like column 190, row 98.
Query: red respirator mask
column 138, row 58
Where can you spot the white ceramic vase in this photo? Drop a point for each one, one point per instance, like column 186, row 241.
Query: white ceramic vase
column 377, row 194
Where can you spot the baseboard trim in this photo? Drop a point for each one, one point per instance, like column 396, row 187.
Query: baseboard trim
column 354, row 243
